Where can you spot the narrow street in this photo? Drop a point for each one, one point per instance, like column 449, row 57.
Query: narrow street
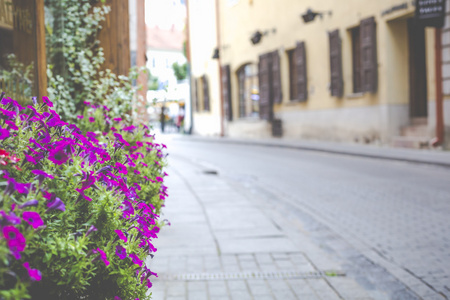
column 327, row 226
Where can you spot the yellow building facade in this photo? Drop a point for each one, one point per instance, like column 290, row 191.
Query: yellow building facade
column 351, row 70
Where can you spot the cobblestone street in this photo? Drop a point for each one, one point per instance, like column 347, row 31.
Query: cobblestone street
column 234, row 236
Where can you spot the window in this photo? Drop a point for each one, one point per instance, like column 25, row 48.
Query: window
column 196, row 95
column 248, row 91
column 205, row 93
column 364, row 52
column 337, row 85
column 226, row 92
column 356, row 60
column 293, row 87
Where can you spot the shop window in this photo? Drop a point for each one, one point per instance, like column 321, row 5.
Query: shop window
column 205, row 89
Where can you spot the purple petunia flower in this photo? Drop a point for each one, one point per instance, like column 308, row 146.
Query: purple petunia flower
column 81, row 191
column 34, row 274
column 102, row 256
column 117, row 298
column 10, row 218
column 136, row 259
column 136, row 172
column 91, row 119
column 90, row 230
column 122, row 169
column 56, row 204
column 121, row 235
column 128, row 209
column 33, row 202
column 120, row 139
column 47, row 101
column 121, row 252
column 4, row 133
column 33, row 218
column 129, row 128
column 58, row 156
column 41, row 175
column 12, row 125
column 16, row 240
column 117, row 119
column 159, row 179
column 80, row 117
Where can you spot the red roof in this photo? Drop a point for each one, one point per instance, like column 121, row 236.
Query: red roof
column 165, row 39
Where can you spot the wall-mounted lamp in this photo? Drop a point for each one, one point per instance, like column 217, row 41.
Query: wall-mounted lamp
column 257, row 36
column 310, row 15
column 216, row 54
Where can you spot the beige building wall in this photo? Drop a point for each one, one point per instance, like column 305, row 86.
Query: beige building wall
column 362, row 117
column 203, row 40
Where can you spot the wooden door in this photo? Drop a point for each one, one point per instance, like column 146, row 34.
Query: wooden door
column 417, row 70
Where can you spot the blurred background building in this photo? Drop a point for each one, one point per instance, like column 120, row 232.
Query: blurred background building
column 361, row 71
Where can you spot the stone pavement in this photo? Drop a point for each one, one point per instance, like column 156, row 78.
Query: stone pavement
column 224, row 242
column 431, row 156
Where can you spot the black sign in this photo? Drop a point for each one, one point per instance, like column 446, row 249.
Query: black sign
column 431, row 12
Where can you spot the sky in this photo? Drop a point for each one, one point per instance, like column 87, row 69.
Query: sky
column 165, row 13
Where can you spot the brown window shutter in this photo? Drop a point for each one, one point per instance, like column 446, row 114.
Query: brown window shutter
column 300, row 61
column 205, row 93
column 369, row 65
column 276, row 77
column 264, row 87
column 337, row 85
column 226, row 92
column 196, row 100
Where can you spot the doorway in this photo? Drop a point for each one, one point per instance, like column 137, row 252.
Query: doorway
column 418, row 105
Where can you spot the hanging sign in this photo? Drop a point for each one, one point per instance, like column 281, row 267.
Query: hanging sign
column 430, row 12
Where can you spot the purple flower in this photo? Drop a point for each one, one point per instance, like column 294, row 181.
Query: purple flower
column 137, row 186
column 13, row 185
column 121, row 252
column 117, row 119
column 81, row 191
column 41, row 175
column 10, row 218
column 122, row 169
column 80, row 117
column 91, row 229
column 128, row 209
column 136, row 259
column 136, row 172
column 16, row 240
column 91, row 119
column 121, row 235
column 12, row 125
column 56, row 204
column 117, row 298
column 129, row 128
column 58, row 156
column 102, row 256
column 47, row 101
column 159, row 179
column 34, row 274
column 33, row 202
column 33, row 218
column 4, row 133
column 120, row 139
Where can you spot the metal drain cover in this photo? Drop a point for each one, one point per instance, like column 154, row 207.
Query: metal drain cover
column 250, row 275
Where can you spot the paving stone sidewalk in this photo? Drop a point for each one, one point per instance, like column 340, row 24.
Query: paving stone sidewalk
column 222, row 245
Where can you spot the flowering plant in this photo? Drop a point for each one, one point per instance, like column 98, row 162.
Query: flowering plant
column 78, row 209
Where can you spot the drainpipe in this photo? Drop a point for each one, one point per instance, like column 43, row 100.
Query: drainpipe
column 222, row 129
column 439, row 139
